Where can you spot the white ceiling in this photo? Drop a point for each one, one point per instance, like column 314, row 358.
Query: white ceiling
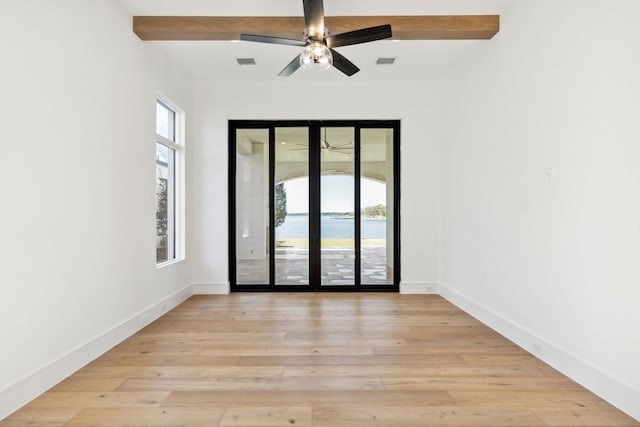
column 415, row 60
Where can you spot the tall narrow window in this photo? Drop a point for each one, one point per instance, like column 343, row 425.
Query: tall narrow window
column 168, row 160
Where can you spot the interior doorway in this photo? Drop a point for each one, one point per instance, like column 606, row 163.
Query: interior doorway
column 314, row 205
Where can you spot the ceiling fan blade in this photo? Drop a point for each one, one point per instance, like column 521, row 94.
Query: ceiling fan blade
column 363, row 35
column 272, row 40
column 343, row 64
column 314, row 18
column 343, row 145
column 291, row 67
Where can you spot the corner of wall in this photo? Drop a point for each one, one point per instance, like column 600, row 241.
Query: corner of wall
column 15, row 395
column 613, row 390
column 211, row 288
column 419, row 288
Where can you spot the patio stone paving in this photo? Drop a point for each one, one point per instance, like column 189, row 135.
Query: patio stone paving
column 337, row 267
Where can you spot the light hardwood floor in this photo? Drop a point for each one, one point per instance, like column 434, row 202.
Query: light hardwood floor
column 317, row 360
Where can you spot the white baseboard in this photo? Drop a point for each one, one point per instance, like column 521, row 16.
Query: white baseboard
column 20, row 392
column 419, row 288
column 615, row 391
column 211, row 288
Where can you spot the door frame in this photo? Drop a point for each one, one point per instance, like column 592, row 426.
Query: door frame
column 314, row 127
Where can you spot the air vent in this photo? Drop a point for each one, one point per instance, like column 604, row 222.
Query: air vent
column 246, row 61
column 385, row 61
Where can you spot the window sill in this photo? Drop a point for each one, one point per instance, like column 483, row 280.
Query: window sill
column 169, row 263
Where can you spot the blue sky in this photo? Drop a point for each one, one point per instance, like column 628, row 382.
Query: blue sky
column 337, row 194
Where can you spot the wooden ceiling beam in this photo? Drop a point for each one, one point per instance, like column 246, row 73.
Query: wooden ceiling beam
column 437, row 27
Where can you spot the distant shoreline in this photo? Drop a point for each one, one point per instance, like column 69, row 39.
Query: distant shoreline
column 341, row 215
column 336, row 227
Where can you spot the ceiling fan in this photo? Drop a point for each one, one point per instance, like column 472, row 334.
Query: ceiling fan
column 319, row 45
column 341, row 148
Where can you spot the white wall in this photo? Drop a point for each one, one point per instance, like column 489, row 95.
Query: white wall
column 77, row 210
column 413, row 104
column 541, row 188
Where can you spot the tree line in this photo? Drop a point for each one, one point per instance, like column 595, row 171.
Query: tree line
column 378, row 210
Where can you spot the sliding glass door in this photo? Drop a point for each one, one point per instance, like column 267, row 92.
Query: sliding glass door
column 337, row 206
column 314, row 205
column 377, row 197
column 251, row 206
column 291, row 206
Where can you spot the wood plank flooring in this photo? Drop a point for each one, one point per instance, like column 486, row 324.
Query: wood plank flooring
column 250, row 360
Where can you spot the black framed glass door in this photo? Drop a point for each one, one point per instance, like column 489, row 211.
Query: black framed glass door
column 293, row 245
column 314, row 205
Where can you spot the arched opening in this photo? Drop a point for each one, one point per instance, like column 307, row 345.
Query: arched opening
column 337, row 231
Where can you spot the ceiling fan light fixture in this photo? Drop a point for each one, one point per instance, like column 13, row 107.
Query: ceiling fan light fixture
column 319, row 45
column 316, row 56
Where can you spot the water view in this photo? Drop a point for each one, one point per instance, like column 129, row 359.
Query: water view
column 332, row 227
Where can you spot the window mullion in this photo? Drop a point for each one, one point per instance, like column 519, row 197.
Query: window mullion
column 168, row 143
